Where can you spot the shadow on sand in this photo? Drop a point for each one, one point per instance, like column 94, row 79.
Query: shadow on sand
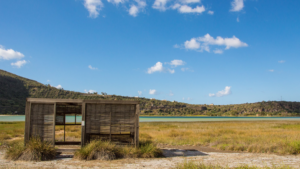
column 179, row 152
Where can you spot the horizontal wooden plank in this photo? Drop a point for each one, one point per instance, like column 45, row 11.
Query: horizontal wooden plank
column 68, row 143
column 111, row 102
column 46, row 100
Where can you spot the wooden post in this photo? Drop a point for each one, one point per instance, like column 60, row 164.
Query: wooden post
column 27, row 122
column 83, row 135
column 136, row 126
column 64, row 127
column 54, row 117
column 110, row 124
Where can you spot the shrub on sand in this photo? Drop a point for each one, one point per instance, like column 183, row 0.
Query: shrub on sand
column 105, row 150
column 35, row 150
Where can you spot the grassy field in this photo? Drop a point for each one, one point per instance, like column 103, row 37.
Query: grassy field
column 282, row 137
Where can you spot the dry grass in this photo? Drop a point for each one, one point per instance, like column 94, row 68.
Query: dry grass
column 262, row 136
column 35, row 150
column 194, row 165
column 104, row 150
column 281, row 137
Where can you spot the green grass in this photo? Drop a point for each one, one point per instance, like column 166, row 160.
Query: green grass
column 195, row 165
column 35, row 150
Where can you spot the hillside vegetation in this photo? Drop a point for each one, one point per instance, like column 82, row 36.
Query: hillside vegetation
column 15, row 89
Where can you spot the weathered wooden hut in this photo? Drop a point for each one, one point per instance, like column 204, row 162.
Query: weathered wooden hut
column 116, row 121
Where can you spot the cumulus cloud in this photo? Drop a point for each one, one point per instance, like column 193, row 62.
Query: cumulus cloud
column 8, row 54
column 135, row 9
column 221, row 93
column 89, row 91
column 192, row 44
column 19, row 63
column 92, row 68
column 177, row 63
column 188, row 9
column 152, row 91
column 116, row 1
column 271, row 70
column 140, row 93
column 237, row 5
column 190, row 1
column 93, row 6
column 211, row 12
column 158, row 67
column 160, row 5
column 58, row 87
column 218, row 51
column 204, row 43
column 281, row 61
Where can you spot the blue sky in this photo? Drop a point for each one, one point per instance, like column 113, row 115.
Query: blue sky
column 199, row 52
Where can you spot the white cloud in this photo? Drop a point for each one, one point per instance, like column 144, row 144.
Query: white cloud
column 238, row 19
column 186, row 69
column 89, row 91
column 204, row 43
column 58, row 87
column 160, row 5
column 19, row 63
column 171, row 93
column 140, row 93
column 8, row 54
column 192, row 44
column 135, row 9
column 177, row 63
column 237, row 5
column 281, row 61
column 218, row 51
column 188, row 9
column 221, row 93
column 271, row 70
column 92, row 68
column 176, row 46
column 152, row 91
column 171, row 71
column 116, row 1
column 158, row 67
column 48, row 80
column 190, row 1
column 93, row 6
column 211, row 12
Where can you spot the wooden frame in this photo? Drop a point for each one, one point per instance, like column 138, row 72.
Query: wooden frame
column 83, row 104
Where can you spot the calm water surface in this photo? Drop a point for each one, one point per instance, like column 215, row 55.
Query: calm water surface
column 170, row 119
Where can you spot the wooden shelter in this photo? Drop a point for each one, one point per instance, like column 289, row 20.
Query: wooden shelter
column 116, row 121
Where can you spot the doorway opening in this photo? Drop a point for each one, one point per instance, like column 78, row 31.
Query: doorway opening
column 68, row 124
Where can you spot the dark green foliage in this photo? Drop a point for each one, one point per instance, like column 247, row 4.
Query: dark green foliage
column 15, row 89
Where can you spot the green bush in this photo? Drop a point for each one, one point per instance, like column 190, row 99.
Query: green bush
column 35, row 150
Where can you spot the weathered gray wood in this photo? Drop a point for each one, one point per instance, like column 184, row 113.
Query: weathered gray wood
column 83, row 135
column 27, row 122
column 54, row 116
column 137, row 109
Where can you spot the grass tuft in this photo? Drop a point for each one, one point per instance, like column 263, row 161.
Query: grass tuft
column 35, row 150
column 105, row 150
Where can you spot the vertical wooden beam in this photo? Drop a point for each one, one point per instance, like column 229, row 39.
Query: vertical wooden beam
column 27, row 122
column 137, row 122
column 64, row 127
column 54, row 117
column 110, row 124
column 83, row 135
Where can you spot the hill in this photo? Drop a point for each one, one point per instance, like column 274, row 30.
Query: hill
column 15, row 89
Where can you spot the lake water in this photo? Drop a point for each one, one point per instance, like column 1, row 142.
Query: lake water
column 169, row 118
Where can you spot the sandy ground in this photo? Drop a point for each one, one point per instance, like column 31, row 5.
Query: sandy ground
column 173, row 156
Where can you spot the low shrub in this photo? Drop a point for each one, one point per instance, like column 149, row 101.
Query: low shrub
column 105, row 150
column 35, row 150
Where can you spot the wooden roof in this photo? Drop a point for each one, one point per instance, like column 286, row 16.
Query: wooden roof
column 79, row 101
